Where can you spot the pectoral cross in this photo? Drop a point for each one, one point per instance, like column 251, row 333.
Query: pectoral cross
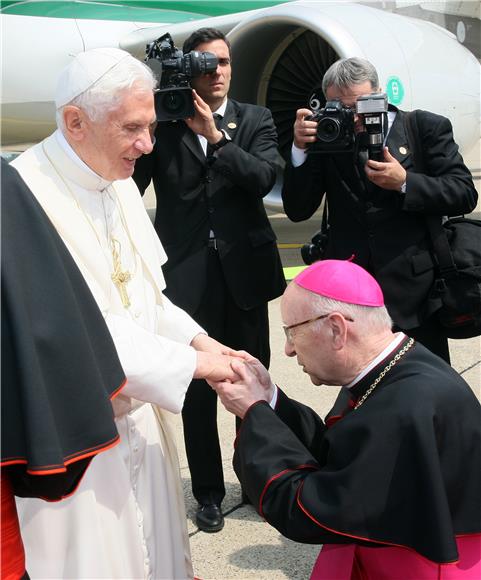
column 118, row 277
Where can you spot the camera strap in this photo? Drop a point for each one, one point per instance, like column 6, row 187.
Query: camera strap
column 361, row 155
column 325, row 217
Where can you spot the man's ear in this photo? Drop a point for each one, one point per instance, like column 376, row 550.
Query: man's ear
column 338, row 325
column 74, row 122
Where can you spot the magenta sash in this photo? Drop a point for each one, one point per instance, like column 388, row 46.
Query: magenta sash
column 351, row 562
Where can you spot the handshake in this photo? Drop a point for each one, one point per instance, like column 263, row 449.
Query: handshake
column 238, row 378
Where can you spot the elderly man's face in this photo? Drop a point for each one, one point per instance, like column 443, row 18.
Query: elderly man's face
column 112, row 145
column 348, row 97
column 311, row 342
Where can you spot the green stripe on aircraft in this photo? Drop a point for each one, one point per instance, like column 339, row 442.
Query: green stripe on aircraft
column 133, row 10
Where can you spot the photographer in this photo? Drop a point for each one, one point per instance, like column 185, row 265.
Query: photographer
column 223, row 264
column 377, row 209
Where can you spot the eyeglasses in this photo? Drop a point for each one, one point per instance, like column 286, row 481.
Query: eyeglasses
column 288, row 329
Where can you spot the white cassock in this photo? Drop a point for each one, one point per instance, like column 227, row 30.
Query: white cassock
column 127, row 518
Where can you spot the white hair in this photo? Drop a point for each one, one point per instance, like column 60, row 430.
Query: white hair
column 346, row 72
column 369, row 319
column 105, row 95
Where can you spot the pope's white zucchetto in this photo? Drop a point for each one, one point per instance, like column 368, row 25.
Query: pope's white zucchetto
column 84, row 71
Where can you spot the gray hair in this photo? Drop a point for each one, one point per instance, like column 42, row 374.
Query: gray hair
column 105, row 95
column 346, row 72
column 368, row 319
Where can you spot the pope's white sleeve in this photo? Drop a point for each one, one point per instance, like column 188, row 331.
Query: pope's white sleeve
column 175, row 323
column 158, row 369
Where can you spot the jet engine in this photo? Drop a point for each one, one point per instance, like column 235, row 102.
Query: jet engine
column 281, row 54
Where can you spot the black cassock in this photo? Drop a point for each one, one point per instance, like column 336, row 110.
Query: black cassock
column 60, row 368
column 403, row 469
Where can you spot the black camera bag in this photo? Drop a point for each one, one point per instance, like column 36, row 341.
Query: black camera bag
column 455, row 297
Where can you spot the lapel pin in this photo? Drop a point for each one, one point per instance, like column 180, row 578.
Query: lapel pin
column 403, row 150
column 231, row 125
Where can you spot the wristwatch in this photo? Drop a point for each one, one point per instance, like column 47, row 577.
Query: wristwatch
column 222, row 141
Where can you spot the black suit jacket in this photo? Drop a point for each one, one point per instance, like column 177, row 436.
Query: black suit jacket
column 225, row 196
column 386, row 230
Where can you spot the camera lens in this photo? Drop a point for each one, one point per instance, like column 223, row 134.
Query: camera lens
column 328, row 130
column 172, row 102
column 199, row 63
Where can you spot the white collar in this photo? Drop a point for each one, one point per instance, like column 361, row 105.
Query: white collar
column 391, row 115
column 95, row 181
column 221, row 110
column 396, row 341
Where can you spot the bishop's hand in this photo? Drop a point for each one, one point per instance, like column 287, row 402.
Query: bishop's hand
column 253, row 384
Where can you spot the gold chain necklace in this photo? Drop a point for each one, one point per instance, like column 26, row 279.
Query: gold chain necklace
column 393, row 362
column 119, row 278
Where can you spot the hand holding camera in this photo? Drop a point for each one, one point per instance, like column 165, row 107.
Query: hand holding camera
column 202, row 122
column 305, row 129
column 387, row 174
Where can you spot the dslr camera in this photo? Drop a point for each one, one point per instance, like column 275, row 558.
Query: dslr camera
column 335, row 125
column 173, row 69
column 335, row 128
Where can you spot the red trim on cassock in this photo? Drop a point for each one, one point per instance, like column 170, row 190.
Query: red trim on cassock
column 276, row 476
column 68, row 459
column 50, row 500
column 269, row 481
column 117, row 391
column 62, row 468
column 330, row 421
column 364, row 539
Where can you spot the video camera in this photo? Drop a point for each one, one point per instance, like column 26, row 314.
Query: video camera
column 335, row 125
column 173, row 99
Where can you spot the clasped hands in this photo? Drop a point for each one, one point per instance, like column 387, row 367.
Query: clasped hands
column 238, row 378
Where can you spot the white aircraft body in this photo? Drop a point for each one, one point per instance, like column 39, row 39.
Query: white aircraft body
column 280, row 53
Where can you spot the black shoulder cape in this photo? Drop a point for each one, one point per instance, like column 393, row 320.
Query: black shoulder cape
column 60, row 368
column 403, row 469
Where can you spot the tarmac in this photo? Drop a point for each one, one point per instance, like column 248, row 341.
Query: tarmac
column 248, row 547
